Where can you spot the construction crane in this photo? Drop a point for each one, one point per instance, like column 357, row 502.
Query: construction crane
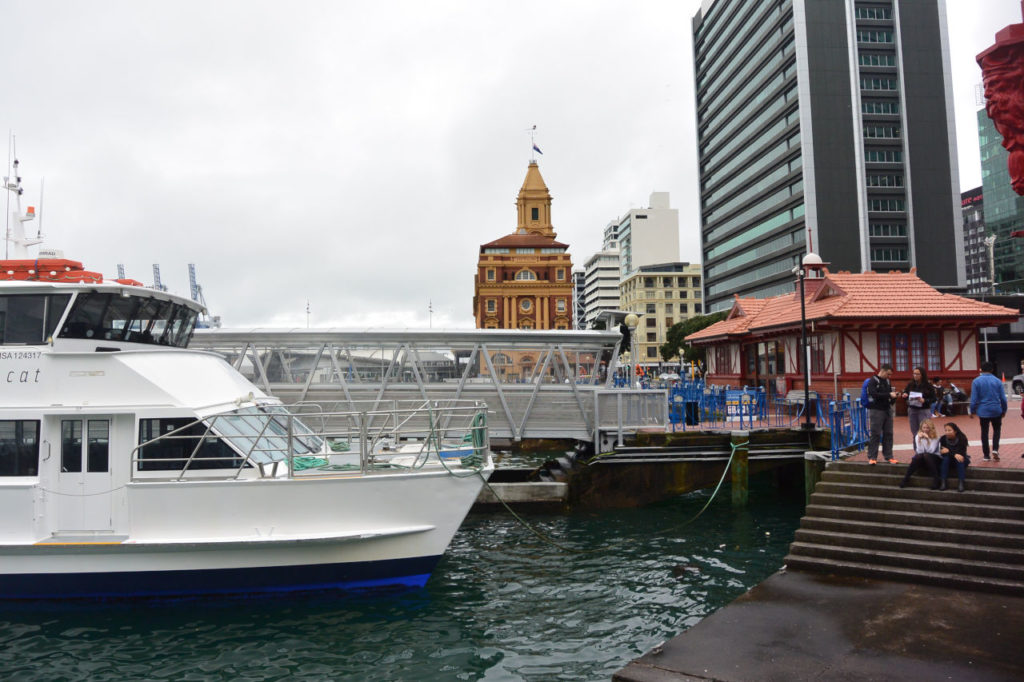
column 157, row 284
column 196, row 290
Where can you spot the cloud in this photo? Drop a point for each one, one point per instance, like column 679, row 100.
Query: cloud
column 353, row 155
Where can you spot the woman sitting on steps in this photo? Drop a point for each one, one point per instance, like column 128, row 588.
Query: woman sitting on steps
column 926, row 454
column 953, row 447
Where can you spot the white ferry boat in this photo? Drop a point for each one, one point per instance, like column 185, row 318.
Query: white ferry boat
column 131, row 465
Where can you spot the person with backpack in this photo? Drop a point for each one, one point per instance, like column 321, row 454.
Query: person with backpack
column 920, row 395
column 988, row 401
column 880, row 414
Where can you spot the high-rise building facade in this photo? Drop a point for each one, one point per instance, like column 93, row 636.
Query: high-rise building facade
column 1004, row 209
column 975, row 250
column 829, row 122
column 645, row 235
column 524, row 280
column 601, row 284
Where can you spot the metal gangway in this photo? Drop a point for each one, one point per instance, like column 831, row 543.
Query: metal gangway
column 536, row 384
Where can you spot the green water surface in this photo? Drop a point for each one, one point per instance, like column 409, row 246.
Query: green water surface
column 502, row 605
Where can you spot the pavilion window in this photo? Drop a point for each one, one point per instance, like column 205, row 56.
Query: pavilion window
column 816, row 347
column 916, row 350
column 900, row 356
column 934, row 354
column 723, row 360
column 884, row 349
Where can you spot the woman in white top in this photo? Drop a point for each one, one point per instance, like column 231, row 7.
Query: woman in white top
column 926, row 454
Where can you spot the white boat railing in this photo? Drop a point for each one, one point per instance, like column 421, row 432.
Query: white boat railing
column 305, row 440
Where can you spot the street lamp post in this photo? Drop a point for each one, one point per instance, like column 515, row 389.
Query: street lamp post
column 801, row 272
column 631, row 322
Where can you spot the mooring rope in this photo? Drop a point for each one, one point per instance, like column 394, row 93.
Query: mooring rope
column 572, row 550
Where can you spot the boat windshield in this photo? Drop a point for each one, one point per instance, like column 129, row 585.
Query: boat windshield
column 138, row 319
column 261, row 432
column 30, row 318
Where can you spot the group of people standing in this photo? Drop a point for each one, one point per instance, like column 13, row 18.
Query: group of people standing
column 937, row 454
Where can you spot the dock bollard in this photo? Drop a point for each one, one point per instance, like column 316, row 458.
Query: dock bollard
column 740, row 468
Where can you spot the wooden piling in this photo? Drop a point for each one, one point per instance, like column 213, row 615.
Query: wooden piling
column 740, row 468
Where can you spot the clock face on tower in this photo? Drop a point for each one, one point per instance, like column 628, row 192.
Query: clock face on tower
column 525, row 304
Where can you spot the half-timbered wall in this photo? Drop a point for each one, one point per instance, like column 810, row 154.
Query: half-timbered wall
column 960, row 350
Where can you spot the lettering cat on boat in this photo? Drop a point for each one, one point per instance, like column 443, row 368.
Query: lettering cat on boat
column 25, row 376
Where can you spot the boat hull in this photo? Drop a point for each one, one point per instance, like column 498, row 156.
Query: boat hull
column 251, row 536
column 360, row 575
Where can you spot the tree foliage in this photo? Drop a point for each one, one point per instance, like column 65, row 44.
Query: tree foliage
column 674, row 344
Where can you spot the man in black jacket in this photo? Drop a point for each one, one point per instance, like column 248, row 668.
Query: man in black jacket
column 880, row 415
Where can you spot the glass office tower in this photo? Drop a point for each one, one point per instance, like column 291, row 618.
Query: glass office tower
column 824, row 125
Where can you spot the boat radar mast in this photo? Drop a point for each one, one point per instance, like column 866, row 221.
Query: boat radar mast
column 17, row 242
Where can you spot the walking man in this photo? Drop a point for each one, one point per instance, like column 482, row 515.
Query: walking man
column 988, row 401
column 880, row 415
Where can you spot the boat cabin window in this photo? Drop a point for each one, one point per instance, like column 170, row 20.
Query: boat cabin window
column 30, row 318
column 19, row 447
column 177, row 440
column 139, row 319
column 263, row 432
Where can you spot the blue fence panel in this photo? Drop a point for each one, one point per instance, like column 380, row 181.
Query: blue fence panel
column 847, row 421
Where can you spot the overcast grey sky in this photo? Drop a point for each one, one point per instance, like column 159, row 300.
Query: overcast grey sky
column 356, row 155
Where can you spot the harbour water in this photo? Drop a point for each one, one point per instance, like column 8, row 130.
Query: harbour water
column 502, row 605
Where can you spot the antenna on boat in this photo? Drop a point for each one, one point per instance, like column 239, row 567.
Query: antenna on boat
column 15, row 218
column 120, row 271
column 39, row 227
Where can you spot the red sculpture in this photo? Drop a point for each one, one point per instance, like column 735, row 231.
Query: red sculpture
column 1002, row 68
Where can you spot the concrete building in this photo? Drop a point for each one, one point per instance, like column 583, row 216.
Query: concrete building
column 579, row 298
column 827, row 125
column 975, row 252
column 601, row 284
column 645, row 236
column 661, row 295
column 1004, row 209
column 524, row 280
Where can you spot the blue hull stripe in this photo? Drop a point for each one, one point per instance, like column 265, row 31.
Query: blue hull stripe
column 357, row 575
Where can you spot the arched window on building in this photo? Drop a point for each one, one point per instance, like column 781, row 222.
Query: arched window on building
column 526, row 275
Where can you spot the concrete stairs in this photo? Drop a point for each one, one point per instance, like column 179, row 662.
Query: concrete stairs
column 859, row 522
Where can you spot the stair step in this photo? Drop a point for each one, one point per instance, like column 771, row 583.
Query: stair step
column 943, row 502
column 882, row 541
column 971, row 496
column 949, row 565
column 987, row 472
column 913, row 517
column 913, row 532
column 922, row 480
column 873, row 570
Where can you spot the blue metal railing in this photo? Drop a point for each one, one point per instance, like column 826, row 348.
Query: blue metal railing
column 848, row 425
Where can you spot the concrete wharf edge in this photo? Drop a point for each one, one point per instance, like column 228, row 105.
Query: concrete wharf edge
column 809, row 626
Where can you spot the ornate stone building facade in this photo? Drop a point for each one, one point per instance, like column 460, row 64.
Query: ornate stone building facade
column 524, row 279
